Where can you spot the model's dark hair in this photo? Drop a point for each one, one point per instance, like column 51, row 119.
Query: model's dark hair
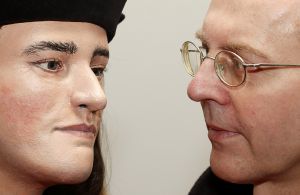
column 92, row 186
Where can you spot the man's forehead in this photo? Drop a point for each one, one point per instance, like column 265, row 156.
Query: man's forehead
column 251, row 17
column 273, row 10
column 248, row 4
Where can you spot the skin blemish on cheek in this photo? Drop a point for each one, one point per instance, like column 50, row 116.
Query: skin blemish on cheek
column 20, row 109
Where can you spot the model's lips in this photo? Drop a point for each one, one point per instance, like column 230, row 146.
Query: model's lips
column 217, row 134
column 80, row 129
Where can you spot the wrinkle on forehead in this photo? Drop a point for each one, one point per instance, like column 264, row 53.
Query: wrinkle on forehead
column 254, row 21
column 283, row 22
column 257, row 10
column 286, row 20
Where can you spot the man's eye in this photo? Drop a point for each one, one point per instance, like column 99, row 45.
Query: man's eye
column 51, row 65
column 98, row 71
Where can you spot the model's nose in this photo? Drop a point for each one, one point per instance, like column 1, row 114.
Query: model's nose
column 87, row 91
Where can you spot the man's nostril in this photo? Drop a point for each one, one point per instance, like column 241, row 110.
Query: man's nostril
column 83, row 106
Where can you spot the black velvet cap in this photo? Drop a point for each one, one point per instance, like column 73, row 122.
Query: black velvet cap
column 104, row 13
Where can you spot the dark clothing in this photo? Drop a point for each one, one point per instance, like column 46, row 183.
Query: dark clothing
column 209, row 184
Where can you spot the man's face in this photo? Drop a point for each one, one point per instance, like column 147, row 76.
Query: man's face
column 50, row 99
column 254, row 128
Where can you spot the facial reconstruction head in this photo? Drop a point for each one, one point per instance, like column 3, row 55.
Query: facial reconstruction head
column 254, row 128
column 51, row 100
column 53, row 54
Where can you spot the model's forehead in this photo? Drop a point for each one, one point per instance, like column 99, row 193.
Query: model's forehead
column 54, row 30
column 53, row 26
column 16, row 39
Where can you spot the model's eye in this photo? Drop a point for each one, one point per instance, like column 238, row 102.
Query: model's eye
column 52, row 65
column 98, row 70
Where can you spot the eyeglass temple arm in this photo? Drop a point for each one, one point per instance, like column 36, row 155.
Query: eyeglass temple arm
column 269, row 64
column 190, row 50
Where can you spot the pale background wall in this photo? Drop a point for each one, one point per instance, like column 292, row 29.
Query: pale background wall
column 157, row 139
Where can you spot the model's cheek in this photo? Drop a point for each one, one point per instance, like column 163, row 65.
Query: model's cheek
column 23, row 109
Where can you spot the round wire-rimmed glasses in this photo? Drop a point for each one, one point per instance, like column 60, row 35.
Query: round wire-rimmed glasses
column 230, row 67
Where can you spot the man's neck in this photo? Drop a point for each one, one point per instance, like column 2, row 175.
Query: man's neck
column 283, row 187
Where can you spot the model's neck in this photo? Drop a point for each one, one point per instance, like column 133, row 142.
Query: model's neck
column 11, row 183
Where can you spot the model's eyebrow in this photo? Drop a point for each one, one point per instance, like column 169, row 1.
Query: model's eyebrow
column 101, row 51
column 66, row 47
column 231, row 46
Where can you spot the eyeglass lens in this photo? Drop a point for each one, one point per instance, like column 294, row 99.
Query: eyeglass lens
column 228, row 66
column 192, row 58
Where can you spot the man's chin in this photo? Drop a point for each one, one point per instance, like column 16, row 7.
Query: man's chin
column 229, row 170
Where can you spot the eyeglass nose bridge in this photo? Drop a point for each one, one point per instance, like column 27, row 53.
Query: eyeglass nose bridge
column 202, row 58
column 208, row 57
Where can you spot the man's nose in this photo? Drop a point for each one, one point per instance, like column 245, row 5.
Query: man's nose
column 207, row 86
column 87, row 91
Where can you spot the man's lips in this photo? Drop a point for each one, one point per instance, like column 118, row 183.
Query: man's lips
column 80, row 128
column 217, row 134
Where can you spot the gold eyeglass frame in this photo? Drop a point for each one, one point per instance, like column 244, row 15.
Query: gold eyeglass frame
column 185, row 53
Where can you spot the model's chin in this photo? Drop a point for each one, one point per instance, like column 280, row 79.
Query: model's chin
column 77, row 172
column 76, row 177
column 69, row 175
column 68, row 170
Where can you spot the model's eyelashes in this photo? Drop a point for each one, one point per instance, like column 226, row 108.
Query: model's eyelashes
column 98, row 70
column 51, row 65
column 56, row 65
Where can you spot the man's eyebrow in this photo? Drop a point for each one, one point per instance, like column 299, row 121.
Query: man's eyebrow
column 66, row 47
column 101, row 51
column 240, row 47
column 235, row 47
